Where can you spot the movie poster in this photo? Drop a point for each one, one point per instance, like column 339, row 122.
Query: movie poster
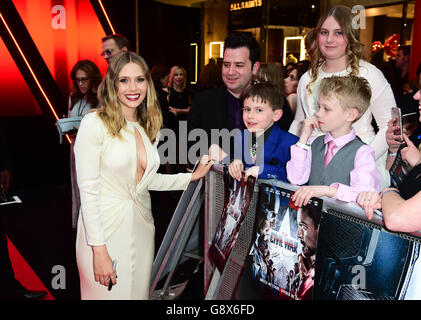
column 360, row 261
column 282, row 257
column 237, row 200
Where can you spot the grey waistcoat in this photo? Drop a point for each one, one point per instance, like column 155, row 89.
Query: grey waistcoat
column 338, row 169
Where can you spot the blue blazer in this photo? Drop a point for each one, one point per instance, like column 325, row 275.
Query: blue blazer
column 276, row 153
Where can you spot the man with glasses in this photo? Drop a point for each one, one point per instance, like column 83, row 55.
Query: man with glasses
column 113, row 45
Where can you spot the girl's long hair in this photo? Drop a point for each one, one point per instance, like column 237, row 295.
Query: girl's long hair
column 148, row 112
column 354, row 51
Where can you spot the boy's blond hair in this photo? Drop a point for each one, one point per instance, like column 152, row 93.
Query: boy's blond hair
column 351, row 91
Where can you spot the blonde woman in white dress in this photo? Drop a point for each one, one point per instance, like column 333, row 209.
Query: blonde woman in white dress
column 117, row 162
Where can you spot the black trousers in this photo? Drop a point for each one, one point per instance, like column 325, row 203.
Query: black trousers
column 7, row 276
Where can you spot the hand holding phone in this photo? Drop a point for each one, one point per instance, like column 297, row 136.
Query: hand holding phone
column 396, row 114
column 110, row 284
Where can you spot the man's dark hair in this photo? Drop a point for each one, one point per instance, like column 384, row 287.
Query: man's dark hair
column 243, row 39
column 119, row 39
column 314, row 213
column 406, row 50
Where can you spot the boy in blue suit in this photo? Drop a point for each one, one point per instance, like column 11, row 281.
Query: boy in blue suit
column 263, row 149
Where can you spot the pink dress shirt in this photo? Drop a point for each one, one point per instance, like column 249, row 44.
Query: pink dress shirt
column 364, row 176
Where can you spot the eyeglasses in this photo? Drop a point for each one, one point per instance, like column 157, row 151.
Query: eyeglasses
column 107, row 52
column 81, row 80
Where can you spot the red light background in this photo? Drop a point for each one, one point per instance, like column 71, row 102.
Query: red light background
column 60, row 49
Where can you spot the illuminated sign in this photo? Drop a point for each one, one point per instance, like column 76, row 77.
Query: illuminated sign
column 245, row 5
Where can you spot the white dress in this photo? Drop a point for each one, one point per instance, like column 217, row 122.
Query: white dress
column 114, row 209
column 381, row 103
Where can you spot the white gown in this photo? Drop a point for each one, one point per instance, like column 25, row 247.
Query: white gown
column 114, row 209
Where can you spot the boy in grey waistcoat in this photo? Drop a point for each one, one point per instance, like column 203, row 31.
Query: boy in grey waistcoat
column 338, row 164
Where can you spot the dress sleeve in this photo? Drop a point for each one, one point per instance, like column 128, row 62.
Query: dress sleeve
column 169, row 182
column 88, row 149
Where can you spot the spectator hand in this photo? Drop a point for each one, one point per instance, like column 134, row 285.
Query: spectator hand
column 410, row 154
column 369, row 201
column 216, row 153
column 393, row 141
column 235, row 169
column 173, row 110
column 253, row 171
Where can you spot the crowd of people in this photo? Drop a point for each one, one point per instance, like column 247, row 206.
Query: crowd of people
column 309, row 123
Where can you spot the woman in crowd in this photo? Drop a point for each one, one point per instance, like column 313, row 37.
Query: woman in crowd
column 273, row 72
column 86, row 78
column 291, row 84
column 399, row 206
column 338, row 52
column 178, row 95
column 117, row 161
column 160, row 75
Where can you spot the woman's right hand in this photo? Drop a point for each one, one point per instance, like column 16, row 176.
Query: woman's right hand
column 410, row 154
column 369, row 201
column 103, row 266
column 393, row 141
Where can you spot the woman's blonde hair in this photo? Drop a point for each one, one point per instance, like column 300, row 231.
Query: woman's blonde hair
column 354, row 51
column 171, row 78
column 148, row 112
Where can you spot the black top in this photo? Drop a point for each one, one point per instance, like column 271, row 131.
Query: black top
column 285, row 122
column 411, row 184
column 179, row 100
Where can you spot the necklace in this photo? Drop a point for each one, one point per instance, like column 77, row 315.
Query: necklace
column 253, row 149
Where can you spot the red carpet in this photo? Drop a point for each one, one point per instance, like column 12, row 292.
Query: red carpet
column 24, row 273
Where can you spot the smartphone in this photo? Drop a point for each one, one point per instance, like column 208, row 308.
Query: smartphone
column 396, row 114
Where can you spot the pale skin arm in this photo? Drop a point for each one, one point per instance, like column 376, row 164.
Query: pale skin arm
column 103, row 266
column 202, row 168
column 401, row 215
column 176, row 111
column 398, row 214
column 235, row 169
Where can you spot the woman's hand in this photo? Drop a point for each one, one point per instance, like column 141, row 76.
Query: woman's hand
column 173, row 110
column 202, row 168
column 369, row 201
column 235, row 169
column 393, row 141
column 103, row 266
column 410, row 154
